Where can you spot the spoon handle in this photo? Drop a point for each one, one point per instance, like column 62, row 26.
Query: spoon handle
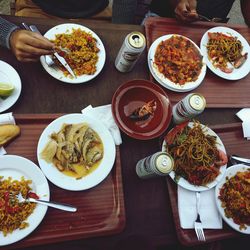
column 57, row 205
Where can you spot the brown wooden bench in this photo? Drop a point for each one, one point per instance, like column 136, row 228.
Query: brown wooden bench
column 141, row 9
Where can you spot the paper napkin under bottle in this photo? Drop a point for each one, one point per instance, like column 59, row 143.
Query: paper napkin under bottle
column 7, row 118
column 104, row 114
column 244, row 115
column 209, row 213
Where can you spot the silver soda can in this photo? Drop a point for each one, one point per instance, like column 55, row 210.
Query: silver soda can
column 189, row 107
column 131, row 49
column 158, row 164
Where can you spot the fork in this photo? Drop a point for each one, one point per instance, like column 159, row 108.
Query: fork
column 47, row 58
column 57, row 205
column 33, row 28
column 50, row 62
column 214, row 19
column 197, row 224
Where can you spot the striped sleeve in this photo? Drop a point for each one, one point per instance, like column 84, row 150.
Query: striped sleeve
column 6, row 28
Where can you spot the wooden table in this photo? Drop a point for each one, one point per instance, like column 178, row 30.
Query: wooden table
column 147, row 203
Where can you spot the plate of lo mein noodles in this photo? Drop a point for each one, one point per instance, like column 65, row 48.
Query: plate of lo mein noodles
column 199, row 155
column 226, row 53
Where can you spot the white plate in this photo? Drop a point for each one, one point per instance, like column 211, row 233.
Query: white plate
column 70, row 183
column 9, row 75
column 56, row 72
column 184, row 183
column 16, row 167
column 165, row 82
column 237, row 73
column 230, row 172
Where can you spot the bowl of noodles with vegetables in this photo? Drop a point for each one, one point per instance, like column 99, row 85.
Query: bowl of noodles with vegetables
column 199, row 156
column 82, row 49
column 232, row 196
column 226, row 53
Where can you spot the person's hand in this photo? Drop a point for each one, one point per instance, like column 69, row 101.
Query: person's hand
column 186, row 10
column 28, row 46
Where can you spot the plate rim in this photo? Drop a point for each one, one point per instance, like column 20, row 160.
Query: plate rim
column 184, row 183
column 18, row 87
column 56, row 73
column 40, row 209
column 216, row 71
column 59, row 179
column 169, row 84
column 229, row 221
column 157, row 88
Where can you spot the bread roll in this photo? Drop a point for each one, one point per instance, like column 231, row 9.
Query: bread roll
column 7, row 133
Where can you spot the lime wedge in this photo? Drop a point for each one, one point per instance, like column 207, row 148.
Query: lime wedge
column 6, row 89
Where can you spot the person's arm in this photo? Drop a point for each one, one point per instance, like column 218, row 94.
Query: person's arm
column 6, row 28
column 245, row 8
column 26, row 45
column 186, row 10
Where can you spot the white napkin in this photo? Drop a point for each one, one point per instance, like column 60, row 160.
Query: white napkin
column 209, row 213
column 244, row 115
column 7, row 118
column 104, row 114
column 246, row 129
column 2, row 151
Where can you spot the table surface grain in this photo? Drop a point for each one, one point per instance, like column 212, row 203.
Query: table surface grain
column 147, row 204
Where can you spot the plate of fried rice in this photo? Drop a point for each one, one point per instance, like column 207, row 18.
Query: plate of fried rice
column 82, row 49
column 18, row 220
column 232, row 196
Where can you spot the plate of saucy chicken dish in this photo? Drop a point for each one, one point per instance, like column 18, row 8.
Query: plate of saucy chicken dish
column 232, row 196
column 141, row 109
column 76, row 152
column 199, row 155
column 176, row 62
column 82, row 49
column 226, row 53
column 19, row 219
